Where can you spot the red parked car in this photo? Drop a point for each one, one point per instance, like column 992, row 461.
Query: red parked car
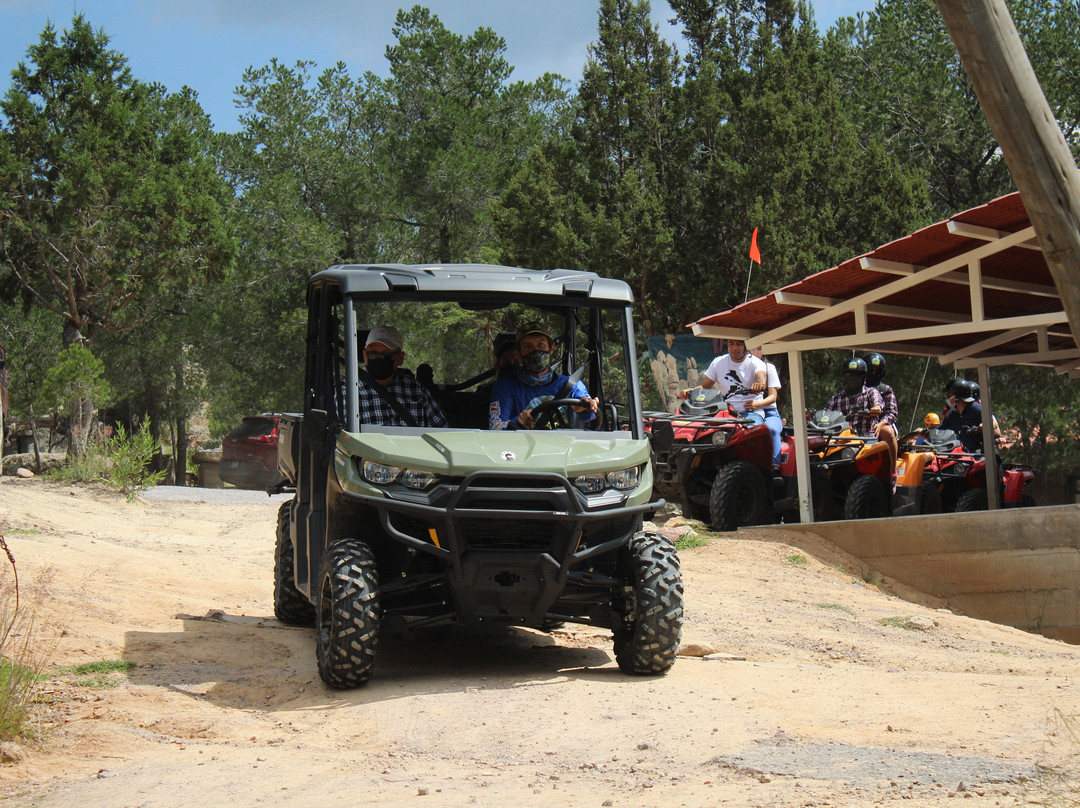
column 249, row 453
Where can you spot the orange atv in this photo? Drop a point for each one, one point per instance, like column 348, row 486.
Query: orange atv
column 859, row 469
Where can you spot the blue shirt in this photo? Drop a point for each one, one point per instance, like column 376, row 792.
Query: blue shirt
column 511, row 395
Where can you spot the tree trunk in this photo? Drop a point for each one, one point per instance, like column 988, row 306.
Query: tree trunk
column 180, row 450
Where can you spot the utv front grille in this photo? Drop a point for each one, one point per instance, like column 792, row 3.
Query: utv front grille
column 502, row 534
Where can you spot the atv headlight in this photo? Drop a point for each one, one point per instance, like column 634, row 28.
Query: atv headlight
column 962, row 467
column 379, row 473
column 719, row 438
column 413, row 478
column 848, row 453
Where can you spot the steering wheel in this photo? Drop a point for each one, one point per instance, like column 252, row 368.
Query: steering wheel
column 547, row 415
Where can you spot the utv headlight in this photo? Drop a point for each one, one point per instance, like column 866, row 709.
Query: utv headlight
column 590, row 483
column 379, row 473
column 412, row 478
column 622, row 480
column 625, row 479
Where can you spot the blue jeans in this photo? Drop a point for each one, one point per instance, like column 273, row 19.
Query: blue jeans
column 776, row 426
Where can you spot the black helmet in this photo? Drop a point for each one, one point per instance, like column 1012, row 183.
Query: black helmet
column 875, row 368
column 950, row 388
column 855, row 365
column 964, row 390
column 975, row 391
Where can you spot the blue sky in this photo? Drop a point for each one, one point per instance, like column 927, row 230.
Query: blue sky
column 207, row 44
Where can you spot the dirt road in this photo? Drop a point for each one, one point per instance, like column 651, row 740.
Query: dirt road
column 817, row 688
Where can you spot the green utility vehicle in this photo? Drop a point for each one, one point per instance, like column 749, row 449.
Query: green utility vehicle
column 406, row 526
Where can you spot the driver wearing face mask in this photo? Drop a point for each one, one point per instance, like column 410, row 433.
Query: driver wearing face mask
column 383, row 356
column 516, row 394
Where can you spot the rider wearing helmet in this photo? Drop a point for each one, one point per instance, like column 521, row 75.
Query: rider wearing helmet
column 886, row 428
column 965, row 414
column 998, row 437
column 861, row 405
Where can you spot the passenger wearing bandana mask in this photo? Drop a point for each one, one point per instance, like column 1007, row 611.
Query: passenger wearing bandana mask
column 516, row 394
column 383, row 356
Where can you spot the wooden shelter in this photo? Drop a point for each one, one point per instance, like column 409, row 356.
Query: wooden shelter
column 973, row 290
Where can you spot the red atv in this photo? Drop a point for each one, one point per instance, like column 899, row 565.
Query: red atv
column 718, row 466
column 961, row 475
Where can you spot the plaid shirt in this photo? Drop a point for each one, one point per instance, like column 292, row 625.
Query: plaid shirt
column 414, row 397
column 865, row 399
column 889, row 413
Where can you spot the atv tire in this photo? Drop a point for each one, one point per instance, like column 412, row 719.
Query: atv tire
column 867, row 498
column 290, row 604
column 974, row 499
column 929, row 498
column 738, row 496
column 648, row 635
column 349, row 614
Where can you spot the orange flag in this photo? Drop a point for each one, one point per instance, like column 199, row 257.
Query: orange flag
column 755, row 253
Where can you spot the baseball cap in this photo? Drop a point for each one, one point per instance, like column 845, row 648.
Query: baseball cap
column 532, row 327
column 385, row 335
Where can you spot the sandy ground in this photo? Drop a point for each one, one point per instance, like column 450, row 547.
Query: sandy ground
column 805, row 697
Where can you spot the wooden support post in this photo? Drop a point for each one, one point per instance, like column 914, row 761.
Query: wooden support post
column 802, row 452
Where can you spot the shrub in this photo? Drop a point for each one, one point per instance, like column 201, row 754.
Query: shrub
column 130, row 456
column 23, row 656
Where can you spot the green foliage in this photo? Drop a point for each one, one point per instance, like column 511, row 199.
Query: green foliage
column 88, row 466
column 690, row 540
column 109, row 195
column 902, row 80
column 671, row 165
column 130, row 456
column 1059, row 770
column 101, row 675
column 76, row 375
column 796, row 560
column 836, row 606
column 24, row 648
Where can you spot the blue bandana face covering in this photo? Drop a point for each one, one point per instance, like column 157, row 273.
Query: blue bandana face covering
column 536, row 381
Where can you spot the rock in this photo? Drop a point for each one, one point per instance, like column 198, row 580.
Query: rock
column 26, row 474
column 11, row 752
column 695, row 649
column 919, row 622
column 26, row 460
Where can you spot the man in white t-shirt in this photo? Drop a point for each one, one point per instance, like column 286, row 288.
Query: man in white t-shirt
column 739, row 376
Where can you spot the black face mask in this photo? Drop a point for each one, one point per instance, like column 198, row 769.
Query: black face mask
column 380, row 368
column 537, row 362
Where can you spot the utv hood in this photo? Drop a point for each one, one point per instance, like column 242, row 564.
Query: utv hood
column 458, row 453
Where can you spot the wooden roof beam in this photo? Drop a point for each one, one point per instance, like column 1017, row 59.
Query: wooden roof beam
column 873, row 309
column 986, row 234
column 960, row 278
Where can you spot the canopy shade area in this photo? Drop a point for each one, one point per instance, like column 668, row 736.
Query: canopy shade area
column 973, row 290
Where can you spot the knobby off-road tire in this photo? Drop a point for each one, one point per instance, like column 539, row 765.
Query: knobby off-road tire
column 647, row 640
column 290, row 604
column 929, row 498
column 866, row 499
column 349, row 613
column 974, row 499
column 738, row 496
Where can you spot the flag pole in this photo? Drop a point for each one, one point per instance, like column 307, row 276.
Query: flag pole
column 749, row 273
